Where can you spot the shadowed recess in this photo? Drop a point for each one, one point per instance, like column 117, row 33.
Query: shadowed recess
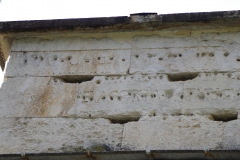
column 225, row 116
column 75, row 79
column 181, row 76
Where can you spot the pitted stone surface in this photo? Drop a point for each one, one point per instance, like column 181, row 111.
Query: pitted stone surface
column 182, row 84
column 129, row 96
column 58, row 63
column 212, row 93
column 173, row 133
column 206, row 53
column 57, row 135
column 37, row 97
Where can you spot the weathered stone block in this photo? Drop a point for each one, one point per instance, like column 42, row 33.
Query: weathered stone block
column 231, row 139
column 37, row 97
column 128, row 96
column 57, row 135
column 67, row 44
column 61, row 63
column 173, row 133
column 213, row 93
column 207, row 53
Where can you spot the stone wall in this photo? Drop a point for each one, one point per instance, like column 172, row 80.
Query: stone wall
column 162, row 90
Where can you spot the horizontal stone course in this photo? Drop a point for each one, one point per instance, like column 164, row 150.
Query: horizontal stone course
column 57, row 135
column 212, row 93
column 122, row 97
column 173, row 133
column 67, row 44
column 162, row 132
column 207, row 53
column 128, row 96
column 61, row 63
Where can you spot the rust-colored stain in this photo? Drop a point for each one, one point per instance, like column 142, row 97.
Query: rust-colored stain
column 42, row 103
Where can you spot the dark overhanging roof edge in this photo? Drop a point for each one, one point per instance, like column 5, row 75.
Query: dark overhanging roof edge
column 95, row 22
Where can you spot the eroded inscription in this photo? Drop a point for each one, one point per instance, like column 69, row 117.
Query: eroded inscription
column 189, row 54
column 212, row 93
column 97, row 62
column 113, row 95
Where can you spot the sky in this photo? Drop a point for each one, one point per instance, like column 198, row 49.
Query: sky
column 14, row 10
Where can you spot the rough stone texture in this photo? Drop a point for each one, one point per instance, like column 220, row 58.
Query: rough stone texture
column 68, row 56
column 37, row 97
column 207, row 53
column 231, row 139
column 67, row 43
column 181, row 82
column 49, row 135
column 213, row 93
column 173, row 133
column 130, row 96
column 58, row 63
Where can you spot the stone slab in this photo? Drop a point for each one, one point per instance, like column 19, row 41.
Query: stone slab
column 131, row 96
column 58, row 135
column 231, row 139
column 173, row 133
column 212, row 93
column 67, row 44
column 207, row 53
column 37, row 97
column 61, row 63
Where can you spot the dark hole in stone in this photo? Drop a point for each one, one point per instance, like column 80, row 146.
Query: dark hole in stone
column 75, row 79
column 98, row 81
column 124, row 119
column 181, row 76
column 211, row 54
column 225, row 116
column 226, row 54
column 69, row 58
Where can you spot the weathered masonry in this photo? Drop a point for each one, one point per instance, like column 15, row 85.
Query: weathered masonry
column 144, row 82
